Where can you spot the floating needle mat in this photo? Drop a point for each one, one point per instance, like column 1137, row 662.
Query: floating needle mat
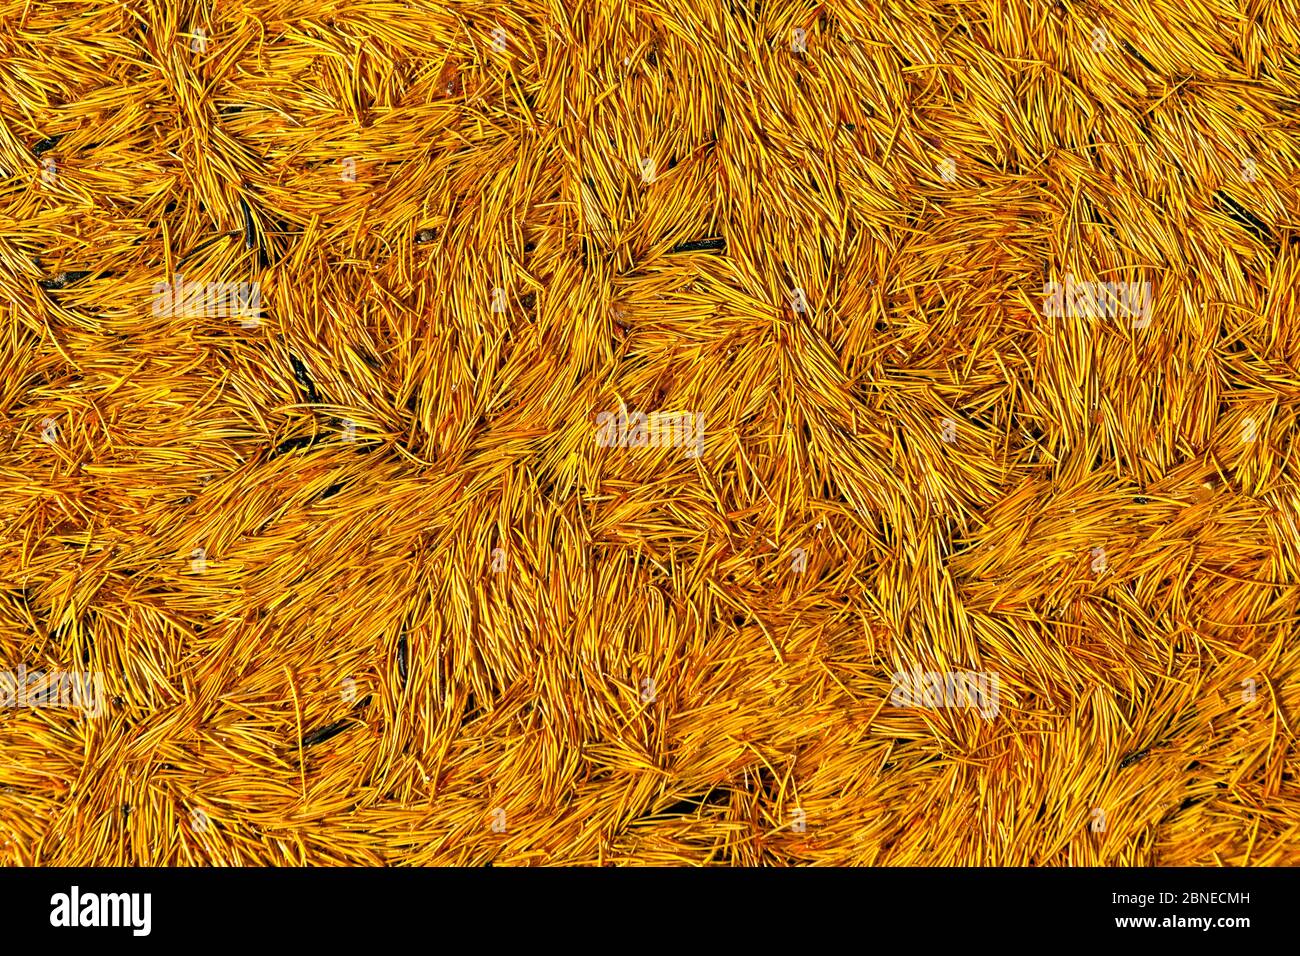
column 649, row 433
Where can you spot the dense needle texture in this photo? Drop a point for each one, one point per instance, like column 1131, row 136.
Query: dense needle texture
column 649, row 433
